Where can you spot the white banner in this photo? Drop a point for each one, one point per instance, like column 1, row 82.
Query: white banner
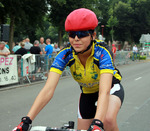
column 8, row 70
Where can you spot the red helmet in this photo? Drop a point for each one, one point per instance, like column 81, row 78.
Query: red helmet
column 113, row 44
column 81, row 20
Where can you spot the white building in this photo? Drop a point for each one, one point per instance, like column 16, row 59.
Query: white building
column 145, row 40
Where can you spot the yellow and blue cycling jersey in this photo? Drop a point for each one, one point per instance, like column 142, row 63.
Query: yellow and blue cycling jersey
column 100, row 61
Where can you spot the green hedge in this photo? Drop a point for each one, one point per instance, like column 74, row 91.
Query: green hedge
column 140, row 57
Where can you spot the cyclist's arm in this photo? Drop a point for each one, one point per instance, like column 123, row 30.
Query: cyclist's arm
column 104, row 93
column 45, row 95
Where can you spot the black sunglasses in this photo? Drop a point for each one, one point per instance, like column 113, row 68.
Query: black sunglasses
column 79, row 34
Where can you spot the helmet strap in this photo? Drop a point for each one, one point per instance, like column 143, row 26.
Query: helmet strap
column 81, row 52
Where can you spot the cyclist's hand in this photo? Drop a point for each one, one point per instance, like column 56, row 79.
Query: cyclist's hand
column 96, row 125
column 24, row 125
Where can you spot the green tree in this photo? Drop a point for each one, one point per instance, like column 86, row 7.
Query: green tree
column 124, row 12
column 2, row 16
column 24, row 14
column 48, row 31
column 133, row 17
column 112, row 22
column 141, row 18
column 33, row 18
column 9, row 11
column 102, row 7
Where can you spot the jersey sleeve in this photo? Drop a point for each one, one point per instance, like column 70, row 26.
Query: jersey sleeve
column 106, row 61
column 60, row 62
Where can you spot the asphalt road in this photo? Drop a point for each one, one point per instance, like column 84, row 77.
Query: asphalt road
column 133, row 116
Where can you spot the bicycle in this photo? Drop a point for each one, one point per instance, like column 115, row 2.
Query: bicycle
column 67, row 127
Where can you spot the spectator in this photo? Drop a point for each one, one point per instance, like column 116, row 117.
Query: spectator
column 16, row 47
column 135, row 50
column 48, row 49
column 114, row 51
column 6, row 45
column 28, row 45
column 61, row 47
column 22, row 50
column 42, row 44
column 36, row 50
column 56, row 49
column 4, row 51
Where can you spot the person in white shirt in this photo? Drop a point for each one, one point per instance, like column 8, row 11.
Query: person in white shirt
column 42, row 45
column 28, row 45
column 56, row 49
column 135, row 51
column 4, row 51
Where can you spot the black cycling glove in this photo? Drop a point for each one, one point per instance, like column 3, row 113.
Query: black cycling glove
column 25, row 124
column 96, row 125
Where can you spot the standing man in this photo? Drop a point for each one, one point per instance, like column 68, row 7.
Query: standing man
column 48, row 49
column 42, row 45
column 22, row 51
column 36, row 50
column 28, row 45
column 4, row 51
column 56, row 49
column 135, row 50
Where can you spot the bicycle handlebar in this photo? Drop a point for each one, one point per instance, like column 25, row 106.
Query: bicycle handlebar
column 43, row 128
column 67, row 127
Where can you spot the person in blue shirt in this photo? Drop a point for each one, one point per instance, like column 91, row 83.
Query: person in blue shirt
column 16, row 47
column 48, row 49
column 6, row 45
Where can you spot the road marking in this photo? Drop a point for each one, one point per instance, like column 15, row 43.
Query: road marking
column 138, row 78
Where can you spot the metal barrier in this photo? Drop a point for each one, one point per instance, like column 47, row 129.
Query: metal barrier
column 122, row 57
column 125, row 57
column 36, row 70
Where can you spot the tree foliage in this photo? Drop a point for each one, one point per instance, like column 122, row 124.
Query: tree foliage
column 133, row 19
column 112, row 22
column 24, row 16
column 123, row 20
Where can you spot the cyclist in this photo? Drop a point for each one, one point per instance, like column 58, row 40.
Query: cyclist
column 91, row 65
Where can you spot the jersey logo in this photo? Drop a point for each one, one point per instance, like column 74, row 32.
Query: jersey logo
column 64, row 57
column 102, row 56
column 77, row 76
column 95, row 75
column 98, row 53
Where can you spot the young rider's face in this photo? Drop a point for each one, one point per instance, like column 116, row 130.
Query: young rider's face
column 80, row 44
